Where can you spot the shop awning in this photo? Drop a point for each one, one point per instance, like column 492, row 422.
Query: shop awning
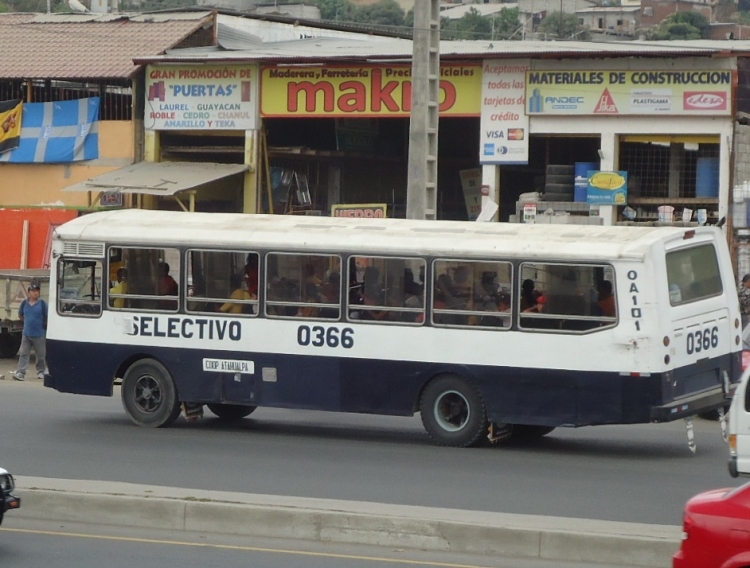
column 168, row 179
column 158, row 178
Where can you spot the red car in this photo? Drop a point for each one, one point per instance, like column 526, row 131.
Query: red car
column 716, row 530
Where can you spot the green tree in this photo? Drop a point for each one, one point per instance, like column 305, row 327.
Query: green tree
column 506, row 25
column 681, row 26
column 337, row 10
column 383, row 12
column 472, row 25
column 563, row 26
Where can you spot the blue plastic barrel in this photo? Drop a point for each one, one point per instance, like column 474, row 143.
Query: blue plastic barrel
column 707, row 177
column 582, row 179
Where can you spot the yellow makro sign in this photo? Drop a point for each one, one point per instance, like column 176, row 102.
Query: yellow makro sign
column 363, row 90
column 691, row 92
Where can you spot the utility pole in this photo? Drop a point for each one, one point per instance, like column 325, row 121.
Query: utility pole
column 421, row 188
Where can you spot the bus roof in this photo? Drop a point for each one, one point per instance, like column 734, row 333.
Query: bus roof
column 239, row 231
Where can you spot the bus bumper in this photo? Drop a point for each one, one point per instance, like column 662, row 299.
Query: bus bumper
column 691, row 405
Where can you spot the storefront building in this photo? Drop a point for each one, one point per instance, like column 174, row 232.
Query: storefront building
column 338, row 130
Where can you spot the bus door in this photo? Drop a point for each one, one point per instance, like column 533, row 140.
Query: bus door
column 701, row 322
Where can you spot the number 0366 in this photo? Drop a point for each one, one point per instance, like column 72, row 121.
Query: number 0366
column 320, row 336
column 702, row 340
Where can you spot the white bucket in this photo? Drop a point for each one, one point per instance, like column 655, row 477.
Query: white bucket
column 666, row 213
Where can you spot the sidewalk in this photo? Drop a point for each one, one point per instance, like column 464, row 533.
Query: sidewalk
column 8, row 367
column 522, row 536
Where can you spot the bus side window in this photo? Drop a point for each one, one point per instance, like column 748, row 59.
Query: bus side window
column 149, row 279
column 472, row 293
column 566, row 297
column 303, row 286
column 388, row 292
column 223, row 282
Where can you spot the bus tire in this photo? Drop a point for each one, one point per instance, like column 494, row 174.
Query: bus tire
column 149, row 394
column 527, row 432
column 453, row 412
column 231, row 412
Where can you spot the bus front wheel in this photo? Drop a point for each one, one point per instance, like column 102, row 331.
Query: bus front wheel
column 149, row 395
column 453, row 412
column 231, row 412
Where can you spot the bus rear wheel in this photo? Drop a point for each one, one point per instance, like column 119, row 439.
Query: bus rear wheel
column 453, row 412
column 149, row 395
column 231, row 412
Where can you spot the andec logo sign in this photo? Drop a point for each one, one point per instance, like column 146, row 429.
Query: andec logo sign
column 704, row 100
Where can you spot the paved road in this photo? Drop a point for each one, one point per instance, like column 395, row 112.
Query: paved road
column 25, row 543
column 638, row 474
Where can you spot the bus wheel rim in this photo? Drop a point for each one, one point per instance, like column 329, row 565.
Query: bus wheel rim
column 148, row 395
column 452, row 411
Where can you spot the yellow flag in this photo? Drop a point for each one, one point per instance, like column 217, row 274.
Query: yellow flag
column 10, row 124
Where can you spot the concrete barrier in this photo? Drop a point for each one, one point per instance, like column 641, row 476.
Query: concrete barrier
column 354, row 522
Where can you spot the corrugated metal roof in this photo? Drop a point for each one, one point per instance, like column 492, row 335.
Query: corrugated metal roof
column 329, row 49
column 158, row 178
column 69, row 46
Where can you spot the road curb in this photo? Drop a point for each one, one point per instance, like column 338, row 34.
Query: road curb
column 522, row 536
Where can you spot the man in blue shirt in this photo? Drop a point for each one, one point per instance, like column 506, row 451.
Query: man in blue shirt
column 33, row 314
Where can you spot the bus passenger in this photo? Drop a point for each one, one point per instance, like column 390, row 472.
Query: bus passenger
column 239, row 294
column 312, row 295
column 120, row 288
column 167, row 284
column 486, row 292
column 606, row 301
column 167, row 287
column 503, row 306
column 450, row 297
column 372, row 296
column 529, row 295
column 251, row 274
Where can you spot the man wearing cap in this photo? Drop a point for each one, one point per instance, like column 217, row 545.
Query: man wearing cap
column 33, row 314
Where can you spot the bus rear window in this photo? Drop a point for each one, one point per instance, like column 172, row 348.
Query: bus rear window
column 693, row 274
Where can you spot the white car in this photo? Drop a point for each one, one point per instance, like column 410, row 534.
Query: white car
column 7, row 499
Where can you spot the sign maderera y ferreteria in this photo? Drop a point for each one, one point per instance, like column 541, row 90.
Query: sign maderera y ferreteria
column 201, row 97
column 364, row 90
column 643, row 92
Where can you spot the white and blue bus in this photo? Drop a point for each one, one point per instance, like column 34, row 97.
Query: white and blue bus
column 506, row 329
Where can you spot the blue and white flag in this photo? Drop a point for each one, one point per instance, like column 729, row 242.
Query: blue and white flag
column 58, row 132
